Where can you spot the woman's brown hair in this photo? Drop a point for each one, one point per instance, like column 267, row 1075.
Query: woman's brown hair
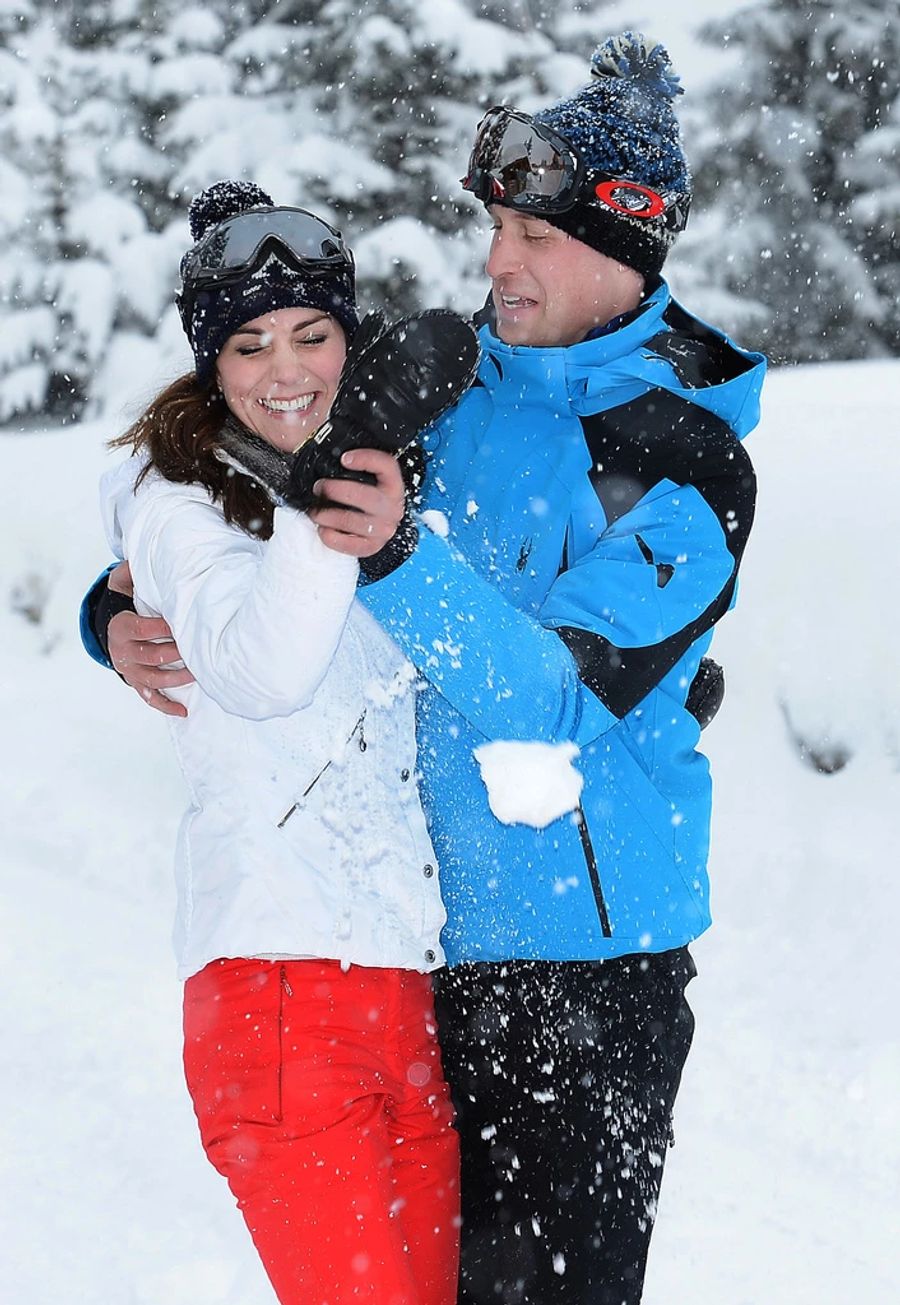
column 178, row 433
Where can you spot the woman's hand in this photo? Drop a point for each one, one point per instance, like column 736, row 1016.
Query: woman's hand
column 360, row 519
column 140, row 646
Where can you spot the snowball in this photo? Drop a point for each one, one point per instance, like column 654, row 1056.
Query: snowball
column 530, row 783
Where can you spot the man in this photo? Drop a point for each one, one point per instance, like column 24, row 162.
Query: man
column 596, row 501
column 590, row 501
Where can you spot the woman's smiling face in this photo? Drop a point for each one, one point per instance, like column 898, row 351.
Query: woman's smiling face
column 279, row 372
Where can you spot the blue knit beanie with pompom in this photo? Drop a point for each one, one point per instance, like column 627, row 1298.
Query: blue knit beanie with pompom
column 623, row 124
column 220, row 310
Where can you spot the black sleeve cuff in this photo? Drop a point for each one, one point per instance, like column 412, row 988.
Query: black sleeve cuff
column 103, row 604
column 707, row 691
column 398, row 548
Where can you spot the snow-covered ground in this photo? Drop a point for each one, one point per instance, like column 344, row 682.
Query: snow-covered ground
column 782, row 1188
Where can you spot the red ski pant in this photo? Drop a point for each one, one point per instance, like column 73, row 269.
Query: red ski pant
column 320, row 1097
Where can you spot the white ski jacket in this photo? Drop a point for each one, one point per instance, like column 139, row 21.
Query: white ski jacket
column 305, row 835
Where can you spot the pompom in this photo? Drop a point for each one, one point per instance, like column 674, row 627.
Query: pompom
column 224, row 199
column 630, row 54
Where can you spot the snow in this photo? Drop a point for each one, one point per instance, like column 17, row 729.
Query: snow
column 782, row 1187
column 318, row 157
column 530, row 783
column 104, row 220
column 266, row 41
column 134, row 370
column 482, row 48
column 378, row 36
column 15, row 186
column 408, row 243
column 22, row 389
column 86, row 299
column 436, row 521
column 823, row 639
column 25, row 333
column 205, row 72
column 196, row 29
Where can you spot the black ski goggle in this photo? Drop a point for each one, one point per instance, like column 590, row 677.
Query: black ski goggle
column 527, row 166
column 239, row 245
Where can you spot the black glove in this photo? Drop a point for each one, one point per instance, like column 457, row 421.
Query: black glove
column 396, row 381
column 706, row 691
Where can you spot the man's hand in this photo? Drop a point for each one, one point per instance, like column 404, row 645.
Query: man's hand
column 360, row 519
column 138, row 657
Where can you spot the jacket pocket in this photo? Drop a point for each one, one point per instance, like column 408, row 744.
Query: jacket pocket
column 650, row 808
column 633, row 831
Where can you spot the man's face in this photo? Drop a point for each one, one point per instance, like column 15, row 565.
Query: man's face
column 549, row 289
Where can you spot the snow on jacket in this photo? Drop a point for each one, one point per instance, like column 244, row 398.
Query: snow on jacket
column 305, row 835
column 597, row 501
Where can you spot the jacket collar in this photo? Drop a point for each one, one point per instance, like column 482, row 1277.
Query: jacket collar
column 615, row 366
column 572, row 372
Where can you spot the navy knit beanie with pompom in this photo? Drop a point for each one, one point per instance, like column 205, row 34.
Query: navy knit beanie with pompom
column 623, row 124
column 218, row 311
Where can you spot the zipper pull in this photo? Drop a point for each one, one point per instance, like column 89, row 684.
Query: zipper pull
column 287, row 815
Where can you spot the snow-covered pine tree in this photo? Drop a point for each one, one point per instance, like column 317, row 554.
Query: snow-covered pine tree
column 114, row 113
column 364, row 114
column 870, row 170
column 794, row 241
column 81, row 256
column 401, row 85
column 28, row 130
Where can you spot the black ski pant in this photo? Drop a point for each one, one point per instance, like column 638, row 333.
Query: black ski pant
column 564, row 1075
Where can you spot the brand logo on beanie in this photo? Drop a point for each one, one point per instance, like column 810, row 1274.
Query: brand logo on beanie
column 630, row 198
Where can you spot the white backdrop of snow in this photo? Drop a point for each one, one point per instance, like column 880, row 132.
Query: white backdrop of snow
column 782, row 1188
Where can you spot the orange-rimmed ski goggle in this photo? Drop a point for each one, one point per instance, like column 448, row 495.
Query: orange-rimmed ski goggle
column 527, row 166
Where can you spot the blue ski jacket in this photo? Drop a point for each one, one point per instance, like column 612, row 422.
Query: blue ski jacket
column 596, row 502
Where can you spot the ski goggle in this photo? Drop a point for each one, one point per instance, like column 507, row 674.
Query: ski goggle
column 527, row 166
column 239, row 245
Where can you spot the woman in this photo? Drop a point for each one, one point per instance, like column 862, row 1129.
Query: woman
column 309, row 910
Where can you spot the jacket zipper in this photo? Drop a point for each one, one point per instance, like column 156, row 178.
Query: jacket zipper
column 586, row 845
column 588, row 848
column 314, row 781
